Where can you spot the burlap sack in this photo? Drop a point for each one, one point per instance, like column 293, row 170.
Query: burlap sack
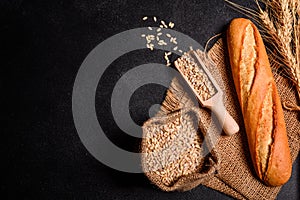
column 235, row 174
column 174, row 153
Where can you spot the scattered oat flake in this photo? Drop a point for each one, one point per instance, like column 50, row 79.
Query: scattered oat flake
column 145, row 18
column 154, row 19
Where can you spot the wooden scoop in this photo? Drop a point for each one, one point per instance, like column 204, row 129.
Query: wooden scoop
column 208, row 92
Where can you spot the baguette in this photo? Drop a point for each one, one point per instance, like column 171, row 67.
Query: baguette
column 260, row 103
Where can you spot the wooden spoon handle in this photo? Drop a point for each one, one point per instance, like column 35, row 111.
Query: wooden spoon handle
column 228, row 124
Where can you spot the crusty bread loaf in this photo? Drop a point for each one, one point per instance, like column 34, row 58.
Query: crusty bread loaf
column 260, row 103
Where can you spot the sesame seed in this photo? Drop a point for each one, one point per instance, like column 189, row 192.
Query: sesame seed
column 150, row 28
column 145, row 18
column 161, row 26
column 154, row 19
column 168, row 35
column 143, row 35
column 180, row 50
column 159, row 34
column 171, row 24
column 159, row 29
column 175, row 48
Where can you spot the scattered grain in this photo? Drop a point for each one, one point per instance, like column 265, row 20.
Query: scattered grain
column 162, row 42
column 150, row 46
column 164, row 24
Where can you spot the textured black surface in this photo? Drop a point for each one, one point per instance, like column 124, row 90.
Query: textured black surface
column 43, row 45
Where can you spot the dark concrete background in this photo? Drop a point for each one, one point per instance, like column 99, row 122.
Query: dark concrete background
column 43, row 45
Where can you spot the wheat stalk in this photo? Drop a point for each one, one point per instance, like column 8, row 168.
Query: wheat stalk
column 280, row 23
